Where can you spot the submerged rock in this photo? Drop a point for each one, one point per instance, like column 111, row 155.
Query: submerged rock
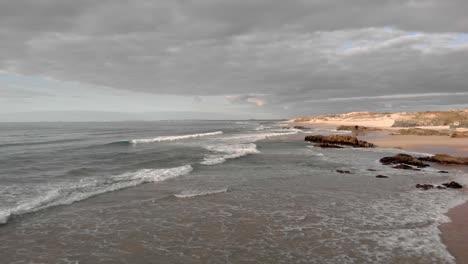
column 446, row 159
column 449, row 185
column 381, row 176
column 405, row 167
column 443, row 171
column 403, row 159
column 343, row 171
column 339, row 140
column 425, row 186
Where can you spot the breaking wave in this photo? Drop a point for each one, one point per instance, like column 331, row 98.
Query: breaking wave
column 173, row 138
column 228, row 151
column 73, row 192
column 260, row 136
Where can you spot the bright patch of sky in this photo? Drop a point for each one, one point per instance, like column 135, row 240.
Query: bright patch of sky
column 462, row 39
column 39, row 93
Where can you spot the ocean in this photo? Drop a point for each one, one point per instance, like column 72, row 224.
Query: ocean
column 209, row 192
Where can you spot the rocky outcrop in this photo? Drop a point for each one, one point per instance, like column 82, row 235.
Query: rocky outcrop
column 446, row 159
column 460, row 134
column 339, row 140
column 301, row 127
column 453, row 185
column 403, row 159
column 423, row 132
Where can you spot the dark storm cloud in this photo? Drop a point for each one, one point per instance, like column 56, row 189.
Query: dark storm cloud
column 275, row 54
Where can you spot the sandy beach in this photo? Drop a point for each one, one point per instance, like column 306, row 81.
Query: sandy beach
column 454, row 234
column 424, row 144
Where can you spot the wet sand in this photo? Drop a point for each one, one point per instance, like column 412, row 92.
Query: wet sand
column 454, row 234
column 427, row 144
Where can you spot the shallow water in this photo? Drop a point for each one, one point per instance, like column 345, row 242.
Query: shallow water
column 250, row 194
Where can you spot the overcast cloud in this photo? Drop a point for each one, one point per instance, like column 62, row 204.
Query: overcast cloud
column 273, row 58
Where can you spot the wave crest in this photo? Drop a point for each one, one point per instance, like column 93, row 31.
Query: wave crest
column 228, row 151
column 84, row 189
column 173, row 138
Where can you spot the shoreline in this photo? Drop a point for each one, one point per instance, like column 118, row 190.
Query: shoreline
column 454, row 234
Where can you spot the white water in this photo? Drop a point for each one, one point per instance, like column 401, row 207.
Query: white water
column 73, row 192
column 244, row 138
column 229, row 151
column 173, row 138
column 194, row 193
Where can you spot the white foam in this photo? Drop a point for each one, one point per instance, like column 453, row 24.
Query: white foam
column 245, row 138
column 73, row 192
column 242, row 123
column 194, row 193
column 237, row 146
column 173, row 138
column 228, row 151
column 259, row 128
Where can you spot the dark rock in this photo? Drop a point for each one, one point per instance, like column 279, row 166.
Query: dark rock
column 453, row 185
column 450, row 185
column 446, row 159
column 343, row 171
column 405, row 167
column 381, row 176
column 300, row 127
column 339, row 140
column 358, row 130
column 327, row 145
column 403, row 159
column 371, row 170
column 443, row 172
column 425, row 186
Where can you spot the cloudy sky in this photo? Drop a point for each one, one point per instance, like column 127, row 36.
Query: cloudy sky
column 230, row 58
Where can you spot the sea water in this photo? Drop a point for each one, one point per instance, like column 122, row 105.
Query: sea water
column 209, row 192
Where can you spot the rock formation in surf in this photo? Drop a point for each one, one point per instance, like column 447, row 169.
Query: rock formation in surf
column 339, row 140
column 446, row 159
column 403, row 159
